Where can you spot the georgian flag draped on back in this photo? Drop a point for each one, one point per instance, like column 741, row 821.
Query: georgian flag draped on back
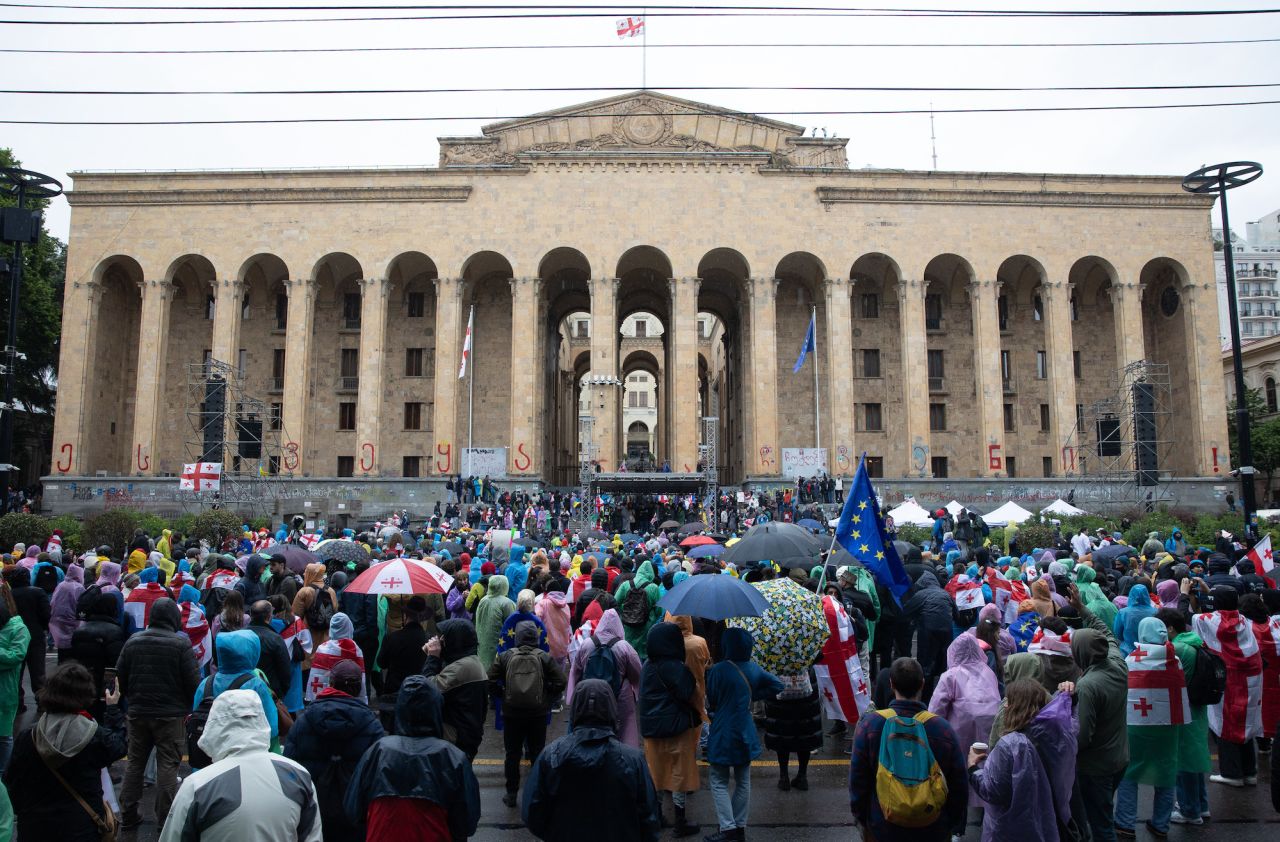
column 1238, row 717
column 842, row 685
column 138, row 606
column 222, row 579
column 196, row 627
column 298, row 634
column 1157, row 686
column 1268, row 636
column 327, row 656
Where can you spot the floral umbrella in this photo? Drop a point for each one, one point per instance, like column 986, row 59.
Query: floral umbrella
column 791, row 633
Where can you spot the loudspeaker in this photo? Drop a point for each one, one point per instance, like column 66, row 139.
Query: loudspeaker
column 249, row 436
column 1109, row 436
column 213, row 418
column 1144, row 433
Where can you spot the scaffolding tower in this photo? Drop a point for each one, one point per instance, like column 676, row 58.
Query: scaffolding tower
column 242, row 432
column 710, row 448
column 1120, row 444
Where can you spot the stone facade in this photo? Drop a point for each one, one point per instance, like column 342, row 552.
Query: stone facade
column 324, row 288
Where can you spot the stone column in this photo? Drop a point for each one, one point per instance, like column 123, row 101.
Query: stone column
column 297, row 373
column 1207, row 392
column 837, row 403
column 445, row 456
column 765, row 458
column 604, row 363
column 915, row 380
column 79, row 327
column 373, row 366
column 1059, row 344
column 228, row 296
column 987, row 378
column 683, row 341
column 153, row 358
column 523, row 446
column 1126, row 305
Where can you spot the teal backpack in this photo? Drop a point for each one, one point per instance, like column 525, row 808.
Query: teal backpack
column 909, row 784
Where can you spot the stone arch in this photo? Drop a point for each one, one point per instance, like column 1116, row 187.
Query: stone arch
column 799, row 275
column 263, row 324
column 876, row 361
column 1091, row 279
column 646, row 258
column 950, row 361
column 1024, row 362
column 486, row 277
column 335, row 360
column 565, row 298
column 193, row 286
column 407, row 402
column 113, row 366
column 724, row 300
column 1168, row 334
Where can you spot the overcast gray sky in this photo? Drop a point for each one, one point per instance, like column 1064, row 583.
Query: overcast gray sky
column 1149, row 142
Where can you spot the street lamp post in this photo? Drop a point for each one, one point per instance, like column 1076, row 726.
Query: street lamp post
column 1218, row 179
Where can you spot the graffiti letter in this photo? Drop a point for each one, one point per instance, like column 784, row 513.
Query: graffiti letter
column 766, row 456
column 842, row 459
column 291, row 456
column 445, row 449
column 994, row 460
column 66, row 450
column 1216, row 469
column 1069, row 458
column 143, row 462
column 367, row 457
column 520, row 452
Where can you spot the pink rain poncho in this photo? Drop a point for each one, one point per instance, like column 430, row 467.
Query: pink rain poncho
column 967, row 695
column 609, row 631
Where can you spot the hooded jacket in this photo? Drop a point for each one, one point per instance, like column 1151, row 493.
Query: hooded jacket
column 419, row 764
column 273, row 659
column 967, row 694
column 928, row 606
column 646, row 580
column 733, row 739
column 247, row 794
column 609, row 633
column 1101, row 694
column 456, row 672
column 1126, row 623
column 250, row 583
column 63, row 620
column 157, row 670
column 590, row 759
column 98, row 641
column 553, row 610
column 238, row 653
column 14, row 640
column 667, row 687
column 491, row 613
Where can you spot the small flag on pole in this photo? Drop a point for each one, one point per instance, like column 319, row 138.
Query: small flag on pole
column 466, row 345
column 810, row 344
column 630, row 27
column 1263, row 559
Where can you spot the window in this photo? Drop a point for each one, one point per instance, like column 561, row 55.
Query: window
column 644, row 399
column 872, row 418
column 933, row 311
column 346, row 466
column 349, row 368
column 1075, row 317
column 1011, row 466
column 209, row 307
column 277, row 416
column 1080, row 416
column 412, row 362
column 277, row 369
column 347, row 416
column 1002, row 309
column 633, row 399
column 242, row 359
column 1046, row 465
column 351, row 310
column 413, row 415
column 871, row 362
column 870, row 305
column 282, row 310
column 1037, row 309
column 412, row 467
column 1010, row 418
column 1042, row 365
column 875, row 466
column 938, row 465
column 937, row 416
column 244, row 308
column 936, row 366
column 642, row 329
column 1271, row 394
column 582, row 329
column 1075, row 363
column 417, row 308
column 1044, row 417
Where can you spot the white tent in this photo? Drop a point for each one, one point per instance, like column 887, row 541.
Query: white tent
column 909, row 511
column 1009, row 513
column 1062, row 507
column 955, row 508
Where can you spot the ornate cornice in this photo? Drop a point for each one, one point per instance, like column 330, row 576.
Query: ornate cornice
column 268, row 195
column 1037, row 198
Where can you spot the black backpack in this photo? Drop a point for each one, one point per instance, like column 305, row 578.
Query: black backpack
column 1209, row 679
column 198, row 718
column 86, row 601
column 321, row 610
column 603, row 664
column 634, row 610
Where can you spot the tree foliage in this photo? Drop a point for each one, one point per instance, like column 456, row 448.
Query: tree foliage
column 214, row 525
column 113, row 527
column 18, row 528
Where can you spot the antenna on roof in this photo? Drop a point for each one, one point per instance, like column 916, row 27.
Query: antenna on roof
column 933, row 138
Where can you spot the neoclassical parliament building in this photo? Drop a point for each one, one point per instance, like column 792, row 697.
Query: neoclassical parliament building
column 964, row 320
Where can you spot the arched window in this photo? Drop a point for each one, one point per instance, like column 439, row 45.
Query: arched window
column 1271, row 394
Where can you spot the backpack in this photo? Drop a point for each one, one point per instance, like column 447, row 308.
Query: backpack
column 522, row 686
column 198, row 718
column 86, row 601
column 634, row 610
column 1208, row 678
column 909, row 785
column 602, row 664
column 321, row 610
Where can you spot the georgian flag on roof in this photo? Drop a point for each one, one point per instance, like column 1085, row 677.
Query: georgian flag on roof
column 842, row 685
column 1157, row 686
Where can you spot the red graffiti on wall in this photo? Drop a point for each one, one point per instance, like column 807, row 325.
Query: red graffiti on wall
column 445, row 449
column 1069, row 458
column 842, row 459
column 520, row 452
column 1216, row 469
column 291, row 456
column 143, row 461
column 367, row 460
column 67, row 450
column 766, row 456
column 994, row 460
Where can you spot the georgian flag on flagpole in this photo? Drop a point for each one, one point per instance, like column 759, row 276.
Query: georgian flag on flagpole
column 630, row 27
column 328, row 655
column 201, row 476
column 1238, row 717
column 1263, row 560
column 466, row 345
column 1157, row 687
column 842, row 685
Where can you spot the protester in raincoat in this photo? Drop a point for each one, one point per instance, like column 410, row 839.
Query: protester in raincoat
column 637, row 633
column 341, row 646
column 491, row 613
column 238, row 653
column 63, row 619
column 14, row 638
column 1103, row 746
column 455, row 670
column 516, row 571
column 1017, row 667
column 1194, row 763
column 967, row 695
column 608, row 633
column 668, row 721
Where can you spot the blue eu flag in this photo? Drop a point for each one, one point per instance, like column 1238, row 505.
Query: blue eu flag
column 810, row 344
column 861, row 532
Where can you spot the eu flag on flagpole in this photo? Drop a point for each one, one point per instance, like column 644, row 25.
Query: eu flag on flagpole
column 809, row 344
column 861, row 532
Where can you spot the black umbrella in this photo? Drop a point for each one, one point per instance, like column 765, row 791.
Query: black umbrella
column 692, row 527
column 453, row 547
column 774, row 542
column 595, row 534
column 295, row 558
column 668, row 524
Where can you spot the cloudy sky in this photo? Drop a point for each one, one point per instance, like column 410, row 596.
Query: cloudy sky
column 589, row 53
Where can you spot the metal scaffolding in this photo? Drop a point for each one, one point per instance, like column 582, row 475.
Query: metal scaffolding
column 581, row 519
column 1120, row 444
column 710, row 448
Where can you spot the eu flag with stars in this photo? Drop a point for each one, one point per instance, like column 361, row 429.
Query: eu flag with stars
column 810, row 343
column 861, row 532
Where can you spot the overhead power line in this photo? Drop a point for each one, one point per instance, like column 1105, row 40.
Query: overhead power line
column 716, row 113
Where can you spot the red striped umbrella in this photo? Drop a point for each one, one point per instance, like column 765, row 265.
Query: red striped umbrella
column 402, row 576
column 696, row 541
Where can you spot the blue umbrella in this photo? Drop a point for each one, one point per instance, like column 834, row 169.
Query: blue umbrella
column 714, row 597
column 706, row 551
column 809, row 523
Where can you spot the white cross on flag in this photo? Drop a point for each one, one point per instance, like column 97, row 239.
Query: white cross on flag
column 842, row 685
column 1157, row 688
column 201, row 476
column 630, row 27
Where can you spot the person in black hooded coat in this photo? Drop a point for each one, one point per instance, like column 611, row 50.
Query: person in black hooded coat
column 587, row 782
column 415, row 778
column 456, row 671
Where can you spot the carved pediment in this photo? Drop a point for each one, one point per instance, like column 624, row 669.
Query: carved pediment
column 643, row 121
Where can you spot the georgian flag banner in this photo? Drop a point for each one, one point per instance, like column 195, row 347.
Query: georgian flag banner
column 138, row 606
column 466, row 345
column 1268, row 636
column 196, row 627
column 1157, row 687
column 1263, row 559
column 842, row 685
column 1238, row 717
column 201, row 476
column 328, row 655
column 222, row 579
column 630, row 27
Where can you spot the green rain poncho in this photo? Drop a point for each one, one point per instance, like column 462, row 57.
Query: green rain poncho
column 638, row 636
column 1093, row 597
column 1193, row 740
column 491, row 613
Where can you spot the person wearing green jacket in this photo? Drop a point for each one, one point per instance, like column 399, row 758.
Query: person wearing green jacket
column 638, row 634
column 1194, row 762
column 14, row 638
column 1103, row 741
column 491, row 613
